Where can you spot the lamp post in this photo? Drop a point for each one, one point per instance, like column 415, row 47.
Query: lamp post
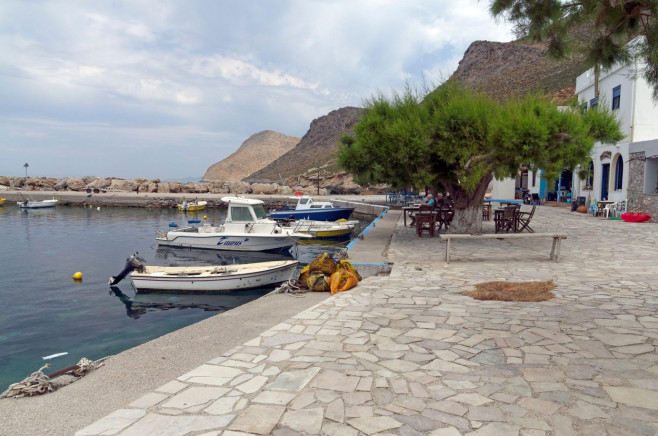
column 26, row 165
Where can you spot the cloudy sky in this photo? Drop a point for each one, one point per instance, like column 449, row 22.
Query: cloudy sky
column 164, row 89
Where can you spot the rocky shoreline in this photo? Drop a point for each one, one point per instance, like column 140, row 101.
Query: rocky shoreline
column 337, row 184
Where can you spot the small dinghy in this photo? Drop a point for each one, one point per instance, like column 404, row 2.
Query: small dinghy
column 214, row 278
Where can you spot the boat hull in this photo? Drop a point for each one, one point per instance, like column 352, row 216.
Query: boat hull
column 215, row 278
column 326, row 214
column 36, row 204
column 229, row 241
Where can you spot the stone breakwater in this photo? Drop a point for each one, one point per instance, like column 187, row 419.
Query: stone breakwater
column 101, row 184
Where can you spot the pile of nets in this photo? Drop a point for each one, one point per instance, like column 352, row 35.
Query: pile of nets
column 324, row 274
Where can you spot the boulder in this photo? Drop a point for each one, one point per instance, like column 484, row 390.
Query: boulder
column 122, row 185
column 175, row 187
column 264, row 188
column 188, row 188
column 201, row 188
column 74, row 184
column 98, row 182
column 239, row 187
column 5, row 181
column 163, row 188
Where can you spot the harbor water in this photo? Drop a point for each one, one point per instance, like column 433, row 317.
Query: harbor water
column 46, row 312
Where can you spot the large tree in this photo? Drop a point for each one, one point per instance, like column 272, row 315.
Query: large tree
column 457, row 141
column 613, row 23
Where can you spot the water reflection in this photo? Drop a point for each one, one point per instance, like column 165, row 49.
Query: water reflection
column 174, row 256
column 143, row 303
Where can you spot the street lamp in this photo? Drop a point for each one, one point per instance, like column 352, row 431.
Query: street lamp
column 26, row 165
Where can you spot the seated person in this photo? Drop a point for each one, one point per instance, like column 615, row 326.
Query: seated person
column 430, row 200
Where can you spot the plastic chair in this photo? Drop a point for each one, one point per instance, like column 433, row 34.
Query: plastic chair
column 610, row 210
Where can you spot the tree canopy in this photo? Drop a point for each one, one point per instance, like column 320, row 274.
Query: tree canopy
column 457, row 140
column 613, row 24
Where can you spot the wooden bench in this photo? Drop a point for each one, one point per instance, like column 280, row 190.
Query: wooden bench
column 555, row 250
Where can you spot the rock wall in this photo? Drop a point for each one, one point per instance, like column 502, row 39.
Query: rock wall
column 336, row 184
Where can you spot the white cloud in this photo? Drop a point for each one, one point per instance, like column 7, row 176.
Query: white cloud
column 162, row 76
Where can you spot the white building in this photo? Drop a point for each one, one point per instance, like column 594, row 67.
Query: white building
column 629, row 96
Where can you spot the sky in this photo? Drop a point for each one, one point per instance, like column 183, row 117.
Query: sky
column 164, row 89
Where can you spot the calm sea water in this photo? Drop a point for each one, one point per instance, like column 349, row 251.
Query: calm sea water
column 44, row 311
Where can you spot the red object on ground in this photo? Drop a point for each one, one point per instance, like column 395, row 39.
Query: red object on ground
column 299, row 193
column 635, row 217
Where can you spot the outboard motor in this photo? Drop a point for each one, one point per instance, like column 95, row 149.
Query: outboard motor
column 134, row 262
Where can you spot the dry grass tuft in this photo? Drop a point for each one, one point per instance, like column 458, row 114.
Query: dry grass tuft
column 513, row 291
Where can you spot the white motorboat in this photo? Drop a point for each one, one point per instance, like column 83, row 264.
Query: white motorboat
column 246, row 228
column 204, row 278
column 36, row 204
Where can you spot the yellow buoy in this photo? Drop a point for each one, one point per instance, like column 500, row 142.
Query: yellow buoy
column 205, row 217
column 77, row 276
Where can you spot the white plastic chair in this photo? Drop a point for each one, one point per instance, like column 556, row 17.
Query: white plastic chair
column 610, row 210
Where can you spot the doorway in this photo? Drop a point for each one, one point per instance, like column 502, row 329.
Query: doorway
column 605, row 178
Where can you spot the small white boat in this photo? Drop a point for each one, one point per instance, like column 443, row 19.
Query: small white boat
column 192, row 206
column 36, row 204
column 322, row 229
column 246, row 228
column 213, row 278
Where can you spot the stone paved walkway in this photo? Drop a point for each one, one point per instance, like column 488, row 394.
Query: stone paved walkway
column 409, row 354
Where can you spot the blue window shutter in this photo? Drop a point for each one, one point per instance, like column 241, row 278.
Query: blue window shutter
column 616, row 97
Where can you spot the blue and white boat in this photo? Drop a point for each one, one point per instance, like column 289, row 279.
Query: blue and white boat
column 307, row 209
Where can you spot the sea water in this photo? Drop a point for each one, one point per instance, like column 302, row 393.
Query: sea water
column 45, row 312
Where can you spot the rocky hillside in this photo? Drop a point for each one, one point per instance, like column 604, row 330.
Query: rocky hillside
column 256, row 152
column 498, row 69
column 503, row 70
column 316, row 152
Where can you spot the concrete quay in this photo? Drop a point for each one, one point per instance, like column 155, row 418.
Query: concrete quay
column 410, row 354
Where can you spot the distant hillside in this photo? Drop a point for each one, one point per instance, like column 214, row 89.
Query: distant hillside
column 317, row 148
column 500, row 70
column 256, row 152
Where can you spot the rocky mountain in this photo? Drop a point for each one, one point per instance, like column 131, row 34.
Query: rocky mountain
column 256, row 152
column 500, row 70
column 315, row 153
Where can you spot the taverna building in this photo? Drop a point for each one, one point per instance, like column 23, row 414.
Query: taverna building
column 626, row 172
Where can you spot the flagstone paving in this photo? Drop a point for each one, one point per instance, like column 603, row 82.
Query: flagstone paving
column 410, row 354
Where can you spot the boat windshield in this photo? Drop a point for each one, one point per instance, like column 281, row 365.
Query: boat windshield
column 259, row 210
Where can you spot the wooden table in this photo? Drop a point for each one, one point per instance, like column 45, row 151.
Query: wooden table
column 410, row 211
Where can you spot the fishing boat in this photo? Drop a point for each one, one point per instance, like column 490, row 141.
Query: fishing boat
column 246, row 228
column 192, row 206
column 205, row 278
column 308, row 209
column 36, row 204
column 340, row 229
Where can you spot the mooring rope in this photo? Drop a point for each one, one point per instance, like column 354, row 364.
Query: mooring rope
column 291, row 287
column 39, row 383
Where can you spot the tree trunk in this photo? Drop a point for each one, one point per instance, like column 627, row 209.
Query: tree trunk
column 468, row 207
column 467, row 220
